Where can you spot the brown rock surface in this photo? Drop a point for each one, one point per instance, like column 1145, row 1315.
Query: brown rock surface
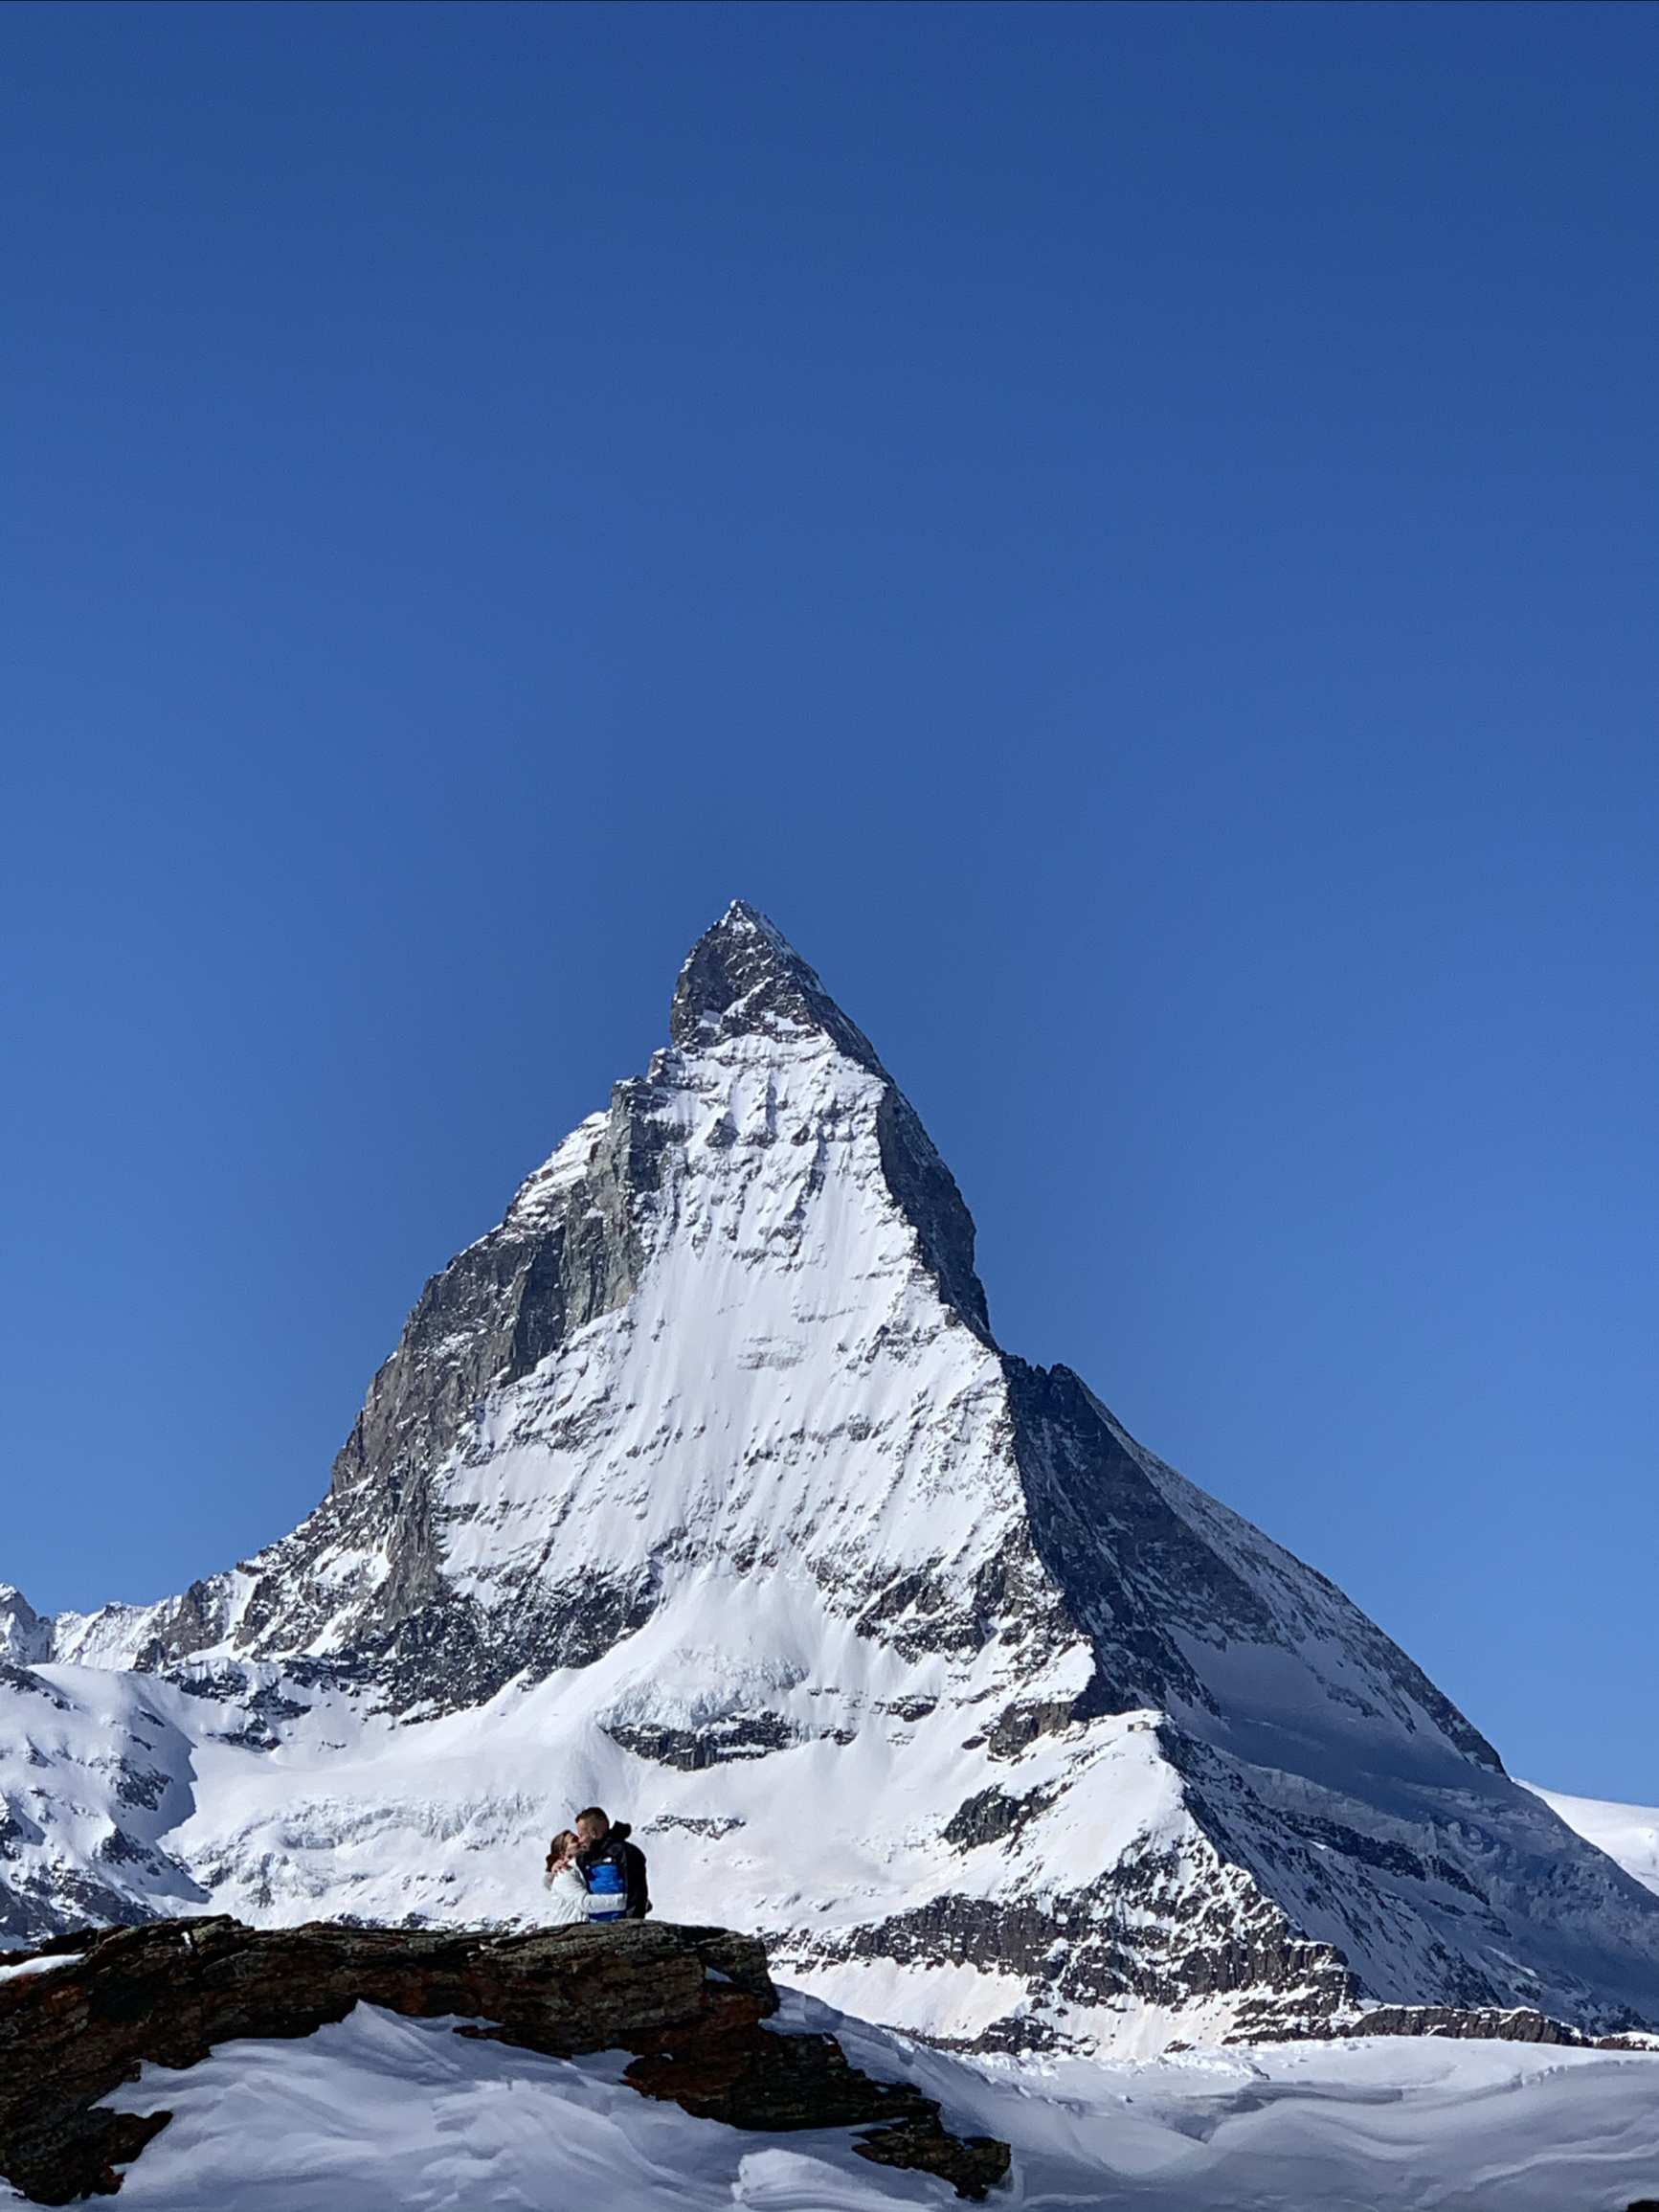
column 689, row 2000
column 735, row 2071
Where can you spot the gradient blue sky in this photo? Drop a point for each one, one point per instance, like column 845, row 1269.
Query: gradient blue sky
column 1130, row 532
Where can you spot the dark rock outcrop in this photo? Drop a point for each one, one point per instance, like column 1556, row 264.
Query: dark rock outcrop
column 748, row 2077
column 689, row 2002
column 1487, row 2024
column 743, row 1736
column 992, row 1817
column 1136, row 1934
column 1515, row 2024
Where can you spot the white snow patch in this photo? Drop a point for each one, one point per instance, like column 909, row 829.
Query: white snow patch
column 40, row 1965
column 384, row 2114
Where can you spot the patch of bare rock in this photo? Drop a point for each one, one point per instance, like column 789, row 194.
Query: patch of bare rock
column 1514, row 2024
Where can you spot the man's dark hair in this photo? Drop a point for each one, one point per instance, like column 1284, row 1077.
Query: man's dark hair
column 594, row 1813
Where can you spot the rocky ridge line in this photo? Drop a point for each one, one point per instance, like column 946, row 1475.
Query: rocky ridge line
column 1518, row 2024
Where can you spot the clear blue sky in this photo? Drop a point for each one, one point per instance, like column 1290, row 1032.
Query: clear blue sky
column 1130, row 532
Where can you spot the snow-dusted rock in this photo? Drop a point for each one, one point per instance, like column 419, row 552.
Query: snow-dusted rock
column 24, row 1637
column 701, row 1487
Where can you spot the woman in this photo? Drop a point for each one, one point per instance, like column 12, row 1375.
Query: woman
column 569, row 1898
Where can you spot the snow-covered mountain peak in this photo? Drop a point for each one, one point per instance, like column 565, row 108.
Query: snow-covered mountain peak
column 699, row 1488
column 743, row 980
column 25, row 1639
column 743, row 976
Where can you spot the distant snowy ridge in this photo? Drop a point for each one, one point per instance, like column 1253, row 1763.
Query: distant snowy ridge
column 700, row 1487
column 1626, row 1833
column 24, row 1637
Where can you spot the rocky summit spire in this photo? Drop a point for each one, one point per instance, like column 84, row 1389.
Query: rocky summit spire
column 743, row 976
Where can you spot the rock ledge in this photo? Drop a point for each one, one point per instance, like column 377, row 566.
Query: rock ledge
column 687, row 2001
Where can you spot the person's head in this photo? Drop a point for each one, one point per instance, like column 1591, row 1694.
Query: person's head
column 592, row 1826
column 564, row 1845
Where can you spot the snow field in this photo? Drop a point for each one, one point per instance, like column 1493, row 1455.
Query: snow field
column 383, row 2114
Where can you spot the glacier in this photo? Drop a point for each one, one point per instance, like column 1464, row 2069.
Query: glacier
column 701, row 1488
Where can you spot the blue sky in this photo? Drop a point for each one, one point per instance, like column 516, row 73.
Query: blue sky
column 1130, row 532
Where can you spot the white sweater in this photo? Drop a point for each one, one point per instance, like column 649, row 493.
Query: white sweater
column 567, row 1897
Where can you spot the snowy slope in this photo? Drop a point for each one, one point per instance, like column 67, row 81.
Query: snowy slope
column 95, row 1774
column 701, row 1487
column 1626, row 1833
column 383, row 2114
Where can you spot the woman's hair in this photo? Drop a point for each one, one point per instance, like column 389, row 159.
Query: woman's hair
column 562, row 1845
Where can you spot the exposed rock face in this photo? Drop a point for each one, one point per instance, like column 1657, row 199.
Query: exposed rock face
column 1145, row 1932
column 700, row 1487
column 735, row 2071
column 1520, row 2026
column 691, row 1999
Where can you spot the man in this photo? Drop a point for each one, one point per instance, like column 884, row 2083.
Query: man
column 612, row 1868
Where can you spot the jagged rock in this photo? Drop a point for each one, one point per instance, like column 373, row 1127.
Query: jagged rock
column 738, row 2072
column 689, row 2000
column 1518, row 2024
column 990, row 1816
column 168, row 1991
column 973, row 2164
column 748, row 2077
column 744, row 1736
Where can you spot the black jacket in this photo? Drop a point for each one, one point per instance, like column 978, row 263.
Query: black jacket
column 629, row 1857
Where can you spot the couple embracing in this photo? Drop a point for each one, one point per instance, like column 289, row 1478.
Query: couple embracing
column 595, row 1872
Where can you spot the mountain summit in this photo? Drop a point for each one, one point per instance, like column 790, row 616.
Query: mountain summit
column 743, row 978
column 699, row 1488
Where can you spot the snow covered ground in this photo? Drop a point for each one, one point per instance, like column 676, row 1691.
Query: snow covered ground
column 1626, row 1833
column 383, row 2114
